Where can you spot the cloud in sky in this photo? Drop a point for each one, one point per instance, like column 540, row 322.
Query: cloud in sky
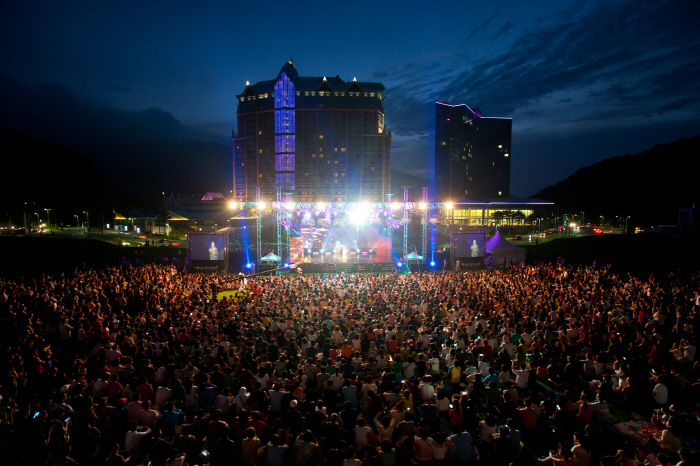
column 582, row 80
column 610, row 63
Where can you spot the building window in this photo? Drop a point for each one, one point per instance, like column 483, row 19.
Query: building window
column 507, row 155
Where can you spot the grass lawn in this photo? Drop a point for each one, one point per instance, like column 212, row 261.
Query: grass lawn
column 32, row 256
column 640, row 254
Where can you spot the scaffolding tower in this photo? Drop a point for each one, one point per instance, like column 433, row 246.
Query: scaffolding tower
column 278, row 223
column 406, row 218
column 424, row 231
column 258, row 222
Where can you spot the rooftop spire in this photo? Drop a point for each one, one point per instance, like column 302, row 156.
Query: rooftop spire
column 289, row 69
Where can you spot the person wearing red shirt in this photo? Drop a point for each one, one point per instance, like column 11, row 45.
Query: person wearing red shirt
column 393, row 344
column 488, row 351
column 246, row 376
column 333, row 353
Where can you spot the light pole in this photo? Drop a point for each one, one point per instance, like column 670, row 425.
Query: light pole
column 77, row 221
column 48, row 220
column 88, row 219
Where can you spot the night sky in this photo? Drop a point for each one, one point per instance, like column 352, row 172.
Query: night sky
column 583, row 81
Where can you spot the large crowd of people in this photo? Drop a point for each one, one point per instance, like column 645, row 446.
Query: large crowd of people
column 147, row 364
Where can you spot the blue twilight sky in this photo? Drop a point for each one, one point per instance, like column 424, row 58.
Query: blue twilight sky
column 582, row 80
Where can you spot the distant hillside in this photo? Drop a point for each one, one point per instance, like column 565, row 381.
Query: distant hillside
column 149, row 169
column 50, row 176
column 649, row 186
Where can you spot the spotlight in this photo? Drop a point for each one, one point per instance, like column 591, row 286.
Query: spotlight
column 395, row 206
column 399, row 264
column 432, row 264
column 289, row 206
column 422, row 206
column 247, row 265
column 261, row 205
column 320, row 206
column 359, row 214
column 232, row 205
column 448, row 206
column 286, row 265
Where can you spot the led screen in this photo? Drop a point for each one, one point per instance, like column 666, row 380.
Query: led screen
column 207, row 247
column 346, row 244
column 469, row 245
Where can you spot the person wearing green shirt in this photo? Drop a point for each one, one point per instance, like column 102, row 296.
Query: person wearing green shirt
column 515, row 338
column 398, row 368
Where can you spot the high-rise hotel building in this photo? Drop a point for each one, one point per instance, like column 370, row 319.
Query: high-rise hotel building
column 472, row 154
column 321, row 138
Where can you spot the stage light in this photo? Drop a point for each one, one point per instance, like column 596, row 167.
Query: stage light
column 399, row 264
column 432, row 264
column 360, row 214
column 261, row 205
column 247, row 265
column 448, row 205
column 232, row 205
column 320, row 206
column 286, row 265
column 289, row 206
column 395, row 206
column 422, row 206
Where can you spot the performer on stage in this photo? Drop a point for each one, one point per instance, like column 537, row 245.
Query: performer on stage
column 213, row 252
column 475, row 249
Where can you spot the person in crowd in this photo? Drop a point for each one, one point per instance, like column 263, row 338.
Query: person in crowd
column 140, row 362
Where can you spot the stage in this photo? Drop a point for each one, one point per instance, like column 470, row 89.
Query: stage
column 347, row 267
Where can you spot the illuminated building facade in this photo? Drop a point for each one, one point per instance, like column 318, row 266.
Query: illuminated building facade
column 321, row 139
column 472, row 154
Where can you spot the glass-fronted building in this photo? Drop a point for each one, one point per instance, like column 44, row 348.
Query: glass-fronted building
column 321, row 139
column 490, row 212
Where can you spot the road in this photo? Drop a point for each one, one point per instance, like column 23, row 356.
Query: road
column 577, row 232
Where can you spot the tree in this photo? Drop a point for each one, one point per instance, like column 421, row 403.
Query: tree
column 498, row 216
column 518, row 216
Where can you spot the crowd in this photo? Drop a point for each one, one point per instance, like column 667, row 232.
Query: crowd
column 147, row 364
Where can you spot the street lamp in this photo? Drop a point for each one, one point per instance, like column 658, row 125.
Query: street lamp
column 88, row 218
column 48, row 220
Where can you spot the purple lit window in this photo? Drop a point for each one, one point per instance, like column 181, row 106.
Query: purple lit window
column 284, row 92
column 285, row 143
column 284, row 162
column 285, row 127
column 284, row 122
column 285, row 180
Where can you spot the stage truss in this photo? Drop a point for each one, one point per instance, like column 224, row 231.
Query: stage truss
column 283, row 208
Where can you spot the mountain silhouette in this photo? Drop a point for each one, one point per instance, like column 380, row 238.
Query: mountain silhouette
column 650, row 186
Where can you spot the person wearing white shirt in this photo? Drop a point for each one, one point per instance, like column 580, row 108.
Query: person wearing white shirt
column 660, row 393
column 508, row 347
column 163, row 394
column 133, row 437
column 522, row 376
